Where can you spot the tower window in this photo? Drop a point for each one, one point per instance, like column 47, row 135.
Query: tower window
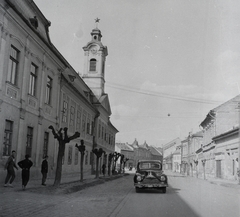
column 93, row 63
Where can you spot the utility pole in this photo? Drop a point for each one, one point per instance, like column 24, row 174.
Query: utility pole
column 188, row 155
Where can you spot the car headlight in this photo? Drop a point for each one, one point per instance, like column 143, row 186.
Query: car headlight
column 163, row 178
column 139, row 178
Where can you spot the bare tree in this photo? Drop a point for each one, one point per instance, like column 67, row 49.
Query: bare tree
column 116, row 155
column 98, row 153
column 110, row 159
column 62, row 138
column 81, row 148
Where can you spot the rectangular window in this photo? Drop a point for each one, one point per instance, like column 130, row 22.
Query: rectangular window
column 76, row 156
column 91, row 158
column 13, row 65
column 88, row 126
column 91, row 128
column 29, row 140
column 106, row 136
column 33, row 80
column 78, row 120
column 45, row 144
column 48, row 90
column 65, row 111
column 83, row 123
column 70, row 155
column 102, row 132
column 86, row 157
column 7, row 143
column 72, row 116
column 99, row 130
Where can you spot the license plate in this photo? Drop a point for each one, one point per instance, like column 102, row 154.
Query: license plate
column 150, row 186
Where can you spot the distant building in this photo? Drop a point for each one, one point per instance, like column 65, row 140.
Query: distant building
column 155, row 153
column 220, row 151
column 136, row 152
column 168, row 150
column 176, row 159
column 127, row 151
column 189, row 147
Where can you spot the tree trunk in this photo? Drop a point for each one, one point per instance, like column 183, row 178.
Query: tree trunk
column 97, row 170
column 109, row 169
column 58, row 176
column 81, row 164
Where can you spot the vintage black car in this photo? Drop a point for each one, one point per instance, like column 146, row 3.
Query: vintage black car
column 149, row 174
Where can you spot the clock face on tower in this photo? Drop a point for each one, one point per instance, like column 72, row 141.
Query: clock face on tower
column 94, row 49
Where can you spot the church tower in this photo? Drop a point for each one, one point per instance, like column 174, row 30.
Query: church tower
column 94, row 63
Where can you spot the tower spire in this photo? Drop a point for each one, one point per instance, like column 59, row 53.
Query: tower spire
column 94, row 67
column 97, row 20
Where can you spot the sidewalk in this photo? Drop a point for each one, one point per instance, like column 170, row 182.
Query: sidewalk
column 69, row 184
column 217, row 181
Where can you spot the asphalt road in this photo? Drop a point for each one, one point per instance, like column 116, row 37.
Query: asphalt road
column 188, row 197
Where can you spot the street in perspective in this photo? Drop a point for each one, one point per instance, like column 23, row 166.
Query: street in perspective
column 185, row 196
column 119, row 108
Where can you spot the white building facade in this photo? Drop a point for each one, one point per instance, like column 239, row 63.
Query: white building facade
column 39, row 88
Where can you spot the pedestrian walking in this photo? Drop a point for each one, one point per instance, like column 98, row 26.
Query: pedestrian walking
column 44, row 170
column 103, row 169
column 25, row 165
column 9, row 166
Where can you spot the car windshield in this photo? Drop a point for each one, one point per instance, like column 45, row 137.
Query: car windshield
column 150, row 165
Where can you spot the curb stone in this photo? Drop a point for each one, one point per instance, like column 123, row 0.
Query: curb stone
column 74, row 186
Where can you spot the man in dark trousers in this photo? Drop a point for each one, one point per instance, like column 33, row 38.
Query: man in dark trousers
column 44, row 170
column 9, row 166
column 25, row 165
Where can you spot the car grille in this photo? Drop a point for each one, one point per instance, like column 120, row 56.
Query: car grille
column 150, row 181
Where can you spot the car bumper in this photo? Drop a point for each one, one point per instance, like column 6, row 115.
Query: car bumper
column 159, row 185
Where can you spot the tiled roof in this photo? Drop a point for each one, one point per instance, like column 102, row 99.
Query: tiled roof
column 178, row 151
column 154, row 151
column 124, row 146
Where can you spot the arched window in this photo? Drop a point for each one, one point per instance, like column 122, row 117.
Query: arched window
column 93, row 63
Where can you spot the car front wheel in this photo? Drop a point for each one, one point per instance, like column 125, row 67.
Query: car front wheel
column 137, row 189
column 164, row 190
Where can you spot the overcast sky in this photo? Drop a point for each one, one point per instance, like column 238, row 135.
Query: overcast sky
column 169, row 61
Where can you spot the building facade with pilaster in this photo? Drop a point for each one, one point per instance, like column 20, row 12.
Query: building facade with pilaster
column 39, row 88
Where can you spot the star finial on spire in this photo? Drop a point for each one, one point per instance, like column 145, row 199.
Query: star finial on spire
column 97, row 21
